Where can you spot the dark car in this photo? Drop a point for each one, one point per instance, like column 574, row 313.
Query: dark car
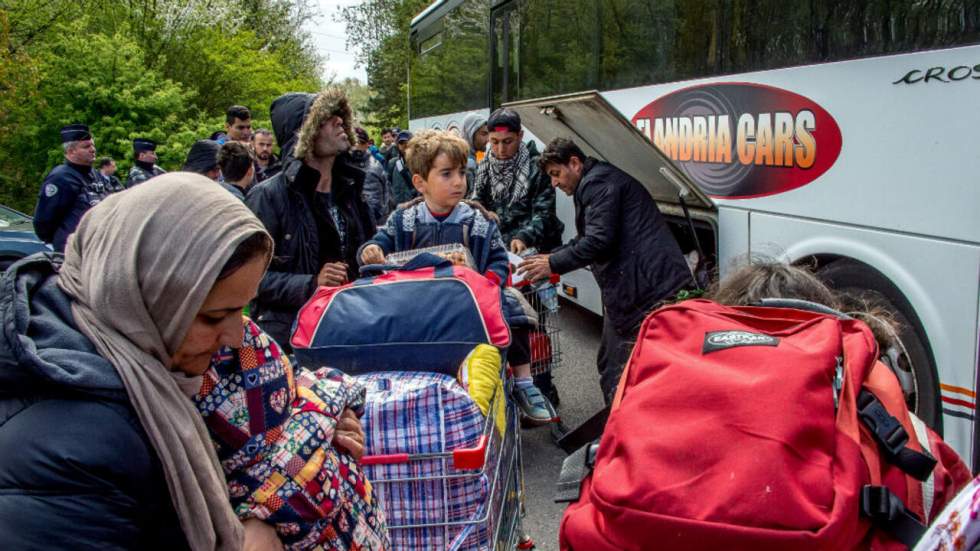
column 17, row 238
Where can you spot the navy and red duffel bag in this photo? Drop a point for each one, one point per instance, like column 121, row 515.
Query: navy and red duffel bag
column 424, row 316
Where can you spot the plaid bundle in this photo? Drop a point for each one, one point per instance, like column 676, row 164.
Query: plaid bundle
column 424, row 412
column 273, row 435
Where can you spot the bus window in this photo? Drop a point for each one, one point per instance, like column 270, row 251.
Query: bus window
column 555, row 44
column 638, row 42
column 449, row 70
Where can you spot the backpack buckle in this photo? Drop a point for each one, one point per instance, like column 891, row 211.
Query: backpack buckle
column 887, row 512
column 886, row 428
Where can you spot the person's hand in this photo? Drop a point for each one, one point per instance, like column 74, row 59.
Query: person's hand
column 535, row 267
column 349, row 435
column 517, row 246
column 372, row 254
column 260, row 536
column 332, row 274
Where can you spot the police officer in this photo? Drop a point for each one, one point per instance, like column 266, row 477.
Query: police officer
column 144, row 166
column 69, row 189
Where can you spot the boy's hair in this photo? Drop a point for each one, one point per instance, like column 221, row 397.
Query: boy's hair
column 234, row 159
column 105, row 161
column 560, row 152
column 426, row 145
column 239, row 112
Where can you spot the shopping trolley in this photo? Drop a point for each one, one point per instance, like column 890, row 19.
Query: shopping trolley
column 493, row 466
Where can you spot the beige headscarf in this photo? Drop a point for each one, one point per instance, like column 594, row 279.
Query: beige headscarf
column 138, row 269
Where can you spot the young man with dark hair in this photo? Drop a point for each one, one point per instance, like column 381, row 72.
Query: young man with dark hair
column 387, row 139
column 312, row 209
column 236, row 163
column 510, row 183
column 238, row 126
column 623, row 238
column 144, row 162
column 376, row 193
column 266, row 163
column 107, row 173
column 69, row 190
column 399, row 175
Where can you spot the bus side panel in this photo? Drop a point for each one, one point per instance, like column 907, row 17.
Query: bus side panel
column 908, row 161
column 451, row 121
column 939, row 279
column 733, row 238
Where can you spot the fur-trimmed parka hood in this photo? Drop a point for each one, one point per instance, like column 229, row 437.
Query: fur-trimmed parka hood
column 296, row 117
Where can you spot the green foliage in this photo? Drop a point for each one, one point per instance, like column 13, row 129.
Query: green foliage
column 379, row 31
column 163, row 69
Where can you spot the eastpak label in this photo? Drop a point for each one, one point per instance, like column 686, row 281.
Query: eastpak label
column 722, row 340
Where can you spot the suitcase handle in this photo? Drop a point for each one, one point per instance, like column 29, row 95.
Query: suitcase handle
column 422, row 260
column 799, row 304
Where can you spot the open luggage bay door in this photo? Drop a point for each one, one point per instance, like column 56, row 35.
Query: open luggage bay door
column 602, row 132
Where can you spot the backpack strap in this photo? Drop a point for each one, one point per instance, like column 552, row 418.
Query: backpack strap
column 892, row 437
column 929, row 484
column 574, row 469
column 887, row 513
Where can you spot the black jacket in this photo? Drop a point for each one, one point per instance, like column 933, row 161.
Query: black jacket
column 533, row 219
column 622, row 235
column 376, row 193
column 285, row 205
column 65, row 196
column 77, row 471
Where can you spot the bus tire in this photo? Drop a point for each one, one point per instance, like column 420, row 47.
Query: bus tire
column 920, row 381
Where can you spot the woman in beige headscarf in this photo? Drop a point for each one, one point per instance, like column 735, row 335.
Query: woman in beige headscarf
column 101, row 445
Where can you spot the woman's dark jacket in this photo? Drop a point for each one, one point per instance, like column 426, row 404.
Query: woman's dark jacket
column 621, row 234
column 77, row 471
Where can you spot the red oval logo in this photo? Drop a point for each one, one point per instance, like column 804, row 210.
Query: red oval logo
column 739, row 140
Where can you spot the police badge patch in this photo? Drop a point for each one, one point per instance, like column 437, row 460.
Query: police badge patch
column 50, row 190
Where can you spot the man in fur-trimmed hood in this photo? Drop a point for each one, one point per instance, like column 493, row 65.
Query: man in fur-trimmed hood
column 313, row 208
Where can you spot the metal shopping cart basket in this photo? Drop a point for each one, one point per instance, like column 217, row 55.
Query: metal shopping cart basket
column 492, row 469
column 545, row 342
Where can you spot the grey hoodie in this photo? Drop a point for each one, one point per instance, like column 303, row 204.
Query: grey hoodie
column 471, row 124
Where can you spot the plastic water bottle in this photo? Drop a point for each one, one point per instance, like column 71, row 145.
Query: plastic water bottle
column 548, row 295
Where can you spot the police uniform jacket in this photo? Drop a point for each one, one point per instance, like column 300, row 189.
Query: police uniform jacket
column 68, row 191
column 138, row 174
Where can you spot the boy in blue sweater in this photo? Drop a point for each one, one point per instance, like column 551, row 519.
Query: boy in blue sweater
column 437, row 161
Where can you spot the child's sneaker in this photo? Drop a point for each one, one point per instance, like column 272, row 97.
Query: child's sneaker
column 536, row 410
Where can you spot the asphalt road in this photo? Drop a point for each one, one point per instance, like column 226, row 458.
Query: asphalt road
column 578, row 387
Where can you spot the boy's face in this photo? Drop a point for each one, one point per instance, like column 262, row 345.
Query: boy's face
column 443, row 188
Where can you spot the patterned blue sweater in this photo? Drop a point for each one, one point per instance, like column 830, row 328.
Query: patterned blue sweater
column 414, row 227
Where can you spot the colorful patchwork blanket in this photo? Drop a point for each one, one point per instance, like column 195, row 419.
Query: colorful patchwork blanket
column 272, row 428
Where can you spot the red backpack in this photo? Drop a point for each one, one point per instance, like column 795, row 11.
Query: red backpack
column 758, row 428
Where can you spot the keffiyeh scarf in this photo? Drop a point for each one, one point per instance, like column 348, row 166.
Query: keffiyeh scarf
column 508, row 180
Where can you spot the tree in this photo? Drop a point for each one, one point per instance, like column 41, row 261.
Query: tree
column 162, row 69
column 378, row 30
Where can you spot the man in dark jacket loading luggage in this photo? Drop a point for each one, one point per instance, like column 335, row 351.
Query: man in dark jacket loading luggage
column 624, row 238
column 313, row 208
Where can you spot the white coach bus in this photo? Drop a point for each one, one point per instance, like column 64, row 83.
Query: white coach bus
column 841, row 135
